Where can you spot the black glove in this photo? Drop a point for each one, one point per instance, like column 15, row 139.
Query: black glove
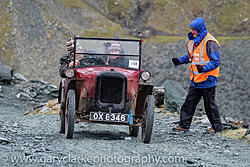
column 176, row 61
column 199, row 68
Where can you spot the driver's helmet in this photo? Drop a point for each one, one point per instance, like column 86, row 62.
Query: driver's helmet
column 115, row 46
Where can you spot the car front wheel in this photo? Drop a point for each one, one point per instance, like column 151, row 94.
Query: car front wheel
column 70, row 114
column 147, row 127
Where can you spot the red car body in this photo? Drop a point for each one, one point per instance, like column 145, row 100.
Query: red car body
column 90, row 73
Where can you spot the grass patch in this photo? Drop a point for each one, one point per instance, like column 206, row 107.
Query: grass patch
column 71, row 3
column 172, row 39
column 232, row 38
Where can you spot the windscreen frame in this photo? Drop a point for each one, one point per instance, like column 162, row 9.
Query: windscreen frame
column 109, row 39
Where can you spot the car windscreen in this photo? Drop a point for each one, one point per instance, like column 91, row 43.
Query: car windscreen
column 107, row 52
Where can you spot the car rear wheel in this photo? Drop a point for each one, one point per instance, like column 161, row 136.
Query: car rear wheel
column 62, row 120
column 148, row 119
column 70, row 114
column 133, row 131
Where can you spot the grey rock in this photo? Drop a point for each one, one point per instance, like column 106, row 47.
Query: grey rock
column 27, row 154
column 53, row 90
column 6, row 73
column 32, row 94
column 229, row 119
column 20, row 77
column 53, row 87
column 16, row 125
column 4, row 141
column 38, row 81
column 175, row 95
column 190, row 162
column 25, row 96
column 42, row 87
column 229, row 126
column 205, row 121
column 54, row 94
column 222, row 120
column 128, row 138
column 1, row 89
column 38, row 138
column 46, row 91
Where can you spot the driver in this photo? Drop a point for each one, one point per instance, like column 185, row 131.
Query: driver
column 67, row 60
column 119, row 61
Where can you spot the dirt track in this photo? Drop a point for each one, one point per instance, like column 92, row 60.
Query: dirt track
column 35, row 138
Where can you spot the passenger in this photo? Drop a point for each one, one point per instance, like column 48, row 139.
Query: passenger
column 68, row 59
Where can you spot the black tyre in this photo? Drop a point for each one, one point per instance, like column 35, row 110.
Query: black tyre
column 70, row 114
column 148, row 119
column 62, row 119
column 133, row 131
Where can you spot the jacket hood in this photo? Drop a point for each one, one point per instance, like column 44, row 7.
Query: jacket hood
column 200, row 27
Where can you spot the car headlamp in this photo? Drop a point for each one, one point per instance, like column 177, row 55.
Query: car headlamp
column 145, row 75
column 69, row 72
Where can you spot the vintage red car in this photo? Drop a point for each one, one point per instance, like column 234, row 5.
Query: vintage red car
column 108, row 87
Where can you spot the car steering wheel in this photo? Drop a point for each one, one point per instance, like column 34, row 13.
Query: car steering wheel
column 90, row 61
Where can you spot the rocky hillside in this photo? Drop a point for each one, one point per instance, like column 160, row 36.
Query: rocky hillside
column 33, row 35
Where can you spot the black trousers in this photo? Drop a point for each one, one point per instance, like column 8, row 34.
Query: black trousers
column 188, row 108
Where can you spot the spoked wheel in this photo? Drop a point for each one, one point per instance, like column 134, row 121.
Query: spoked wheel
column 62, row 119
column 148, row 119
column 133, row 131
column 70, row 114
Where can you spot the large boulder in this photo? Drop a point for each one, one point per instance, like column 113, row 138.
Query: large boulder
column 175, row 95
column 6, row 74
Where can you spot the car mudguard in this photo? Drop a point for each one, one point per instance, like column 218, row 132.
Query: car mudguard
column 143, row 92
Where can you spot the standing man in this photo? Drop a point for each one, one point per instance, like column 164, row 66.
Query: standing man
column 204, row 58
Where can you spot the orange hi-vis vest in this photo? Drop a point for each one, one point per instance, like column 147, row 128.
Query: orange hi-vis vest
column 198, row 55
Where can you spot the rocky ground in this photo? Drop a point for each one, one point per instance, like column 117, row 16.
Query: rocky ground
column 33, row 36
column 33, row 140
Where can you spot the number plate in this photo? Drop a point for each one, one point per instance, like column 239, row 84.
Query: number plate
column 108, row 117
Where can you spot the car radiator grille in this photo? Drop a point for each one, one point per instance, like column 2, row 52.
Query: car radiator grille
column 111, row 90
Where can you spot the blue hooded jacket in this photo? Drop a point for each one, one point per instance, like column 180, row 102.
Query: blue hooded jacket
column 212, row 52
